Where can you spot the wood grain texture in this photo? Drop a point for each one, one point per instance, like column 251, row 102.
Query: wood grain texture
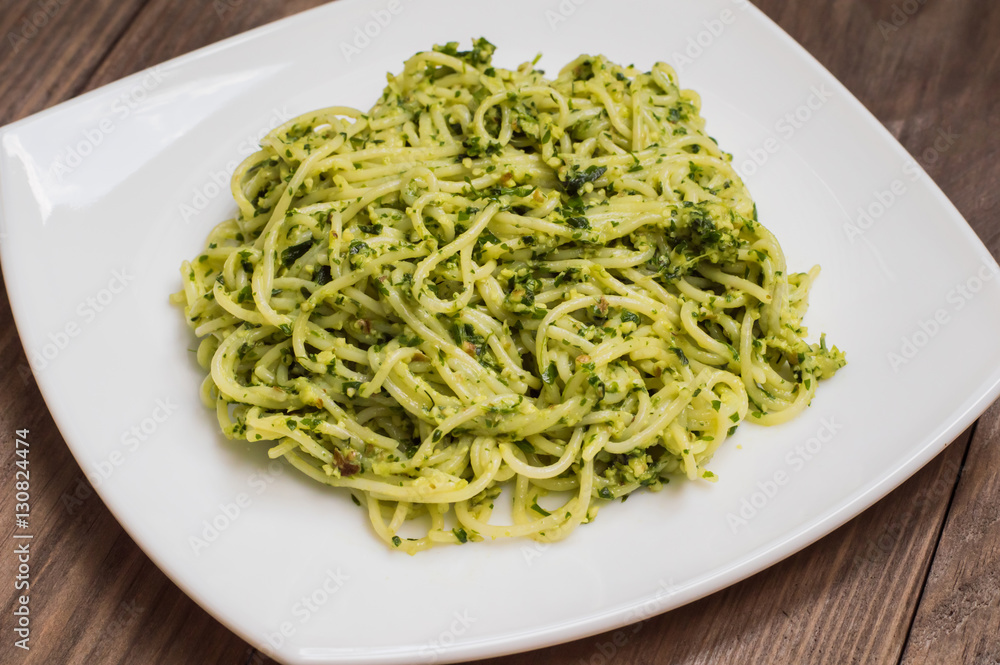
column 168, row 28
column 96, row 598
column 958, row 617
column 51, row 47
column 806, row 609
column 850, row 598
column 958, row 620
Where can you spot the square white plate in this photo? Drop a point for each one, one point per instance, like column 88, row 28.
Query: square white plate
column 103, row 196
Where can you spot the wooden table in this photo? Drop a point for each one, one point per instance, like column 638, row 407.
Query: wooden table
column 915, row 579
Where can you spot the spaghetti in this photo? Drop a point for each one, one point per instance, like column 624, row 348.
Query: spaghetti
column 492, row 276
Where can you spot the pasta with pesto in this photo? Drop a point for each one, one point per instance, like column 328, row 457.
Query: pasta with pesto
column 495, row 279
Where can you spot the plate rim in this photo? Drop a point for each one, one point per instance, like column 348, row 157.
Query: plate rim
column 979, row 399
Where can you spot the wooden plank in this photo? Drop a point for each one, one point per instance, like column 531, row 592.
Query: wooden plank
column 846, row 599
column 930, row 74
column 95, row 597
column 169, row 28
column 50, row 49
column 958, row 620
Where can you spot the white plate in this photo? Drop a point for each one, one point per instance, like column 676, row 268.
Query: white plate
column 103, row 196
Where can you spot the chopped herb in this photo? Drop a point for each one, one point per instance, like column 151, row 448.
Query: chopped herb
column 292, row 254
column 538, row 509
column 580, row 178
column 680, row 354
column 322, row 275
